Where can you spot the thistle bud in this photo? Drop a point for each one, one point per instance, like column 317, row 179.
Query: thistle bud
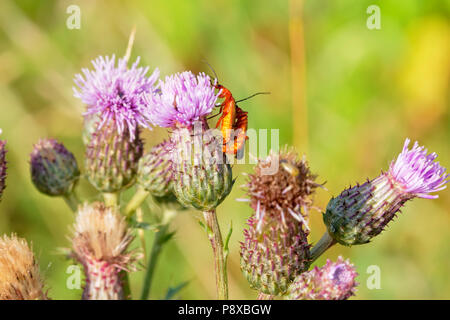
column 155, row 173
column 334, row 281
column 100, row 242
column 19, row 272
column 112, row 158
column 54, row 169
column 274, row 255
column 360, row 213
column 2, row 167
column 202, row 178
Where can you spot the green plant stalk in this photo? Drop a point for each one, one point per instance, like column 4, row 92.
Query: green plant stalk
column 323, row 245
column 136, row 201
column 153, row 259
column 72, row 201
column 139, row 219
column 158, row 244
column 111, row 199
column 215, row 237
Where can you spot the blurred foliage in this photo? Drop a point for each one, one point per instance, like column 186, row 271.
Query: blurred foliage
column 366, row 90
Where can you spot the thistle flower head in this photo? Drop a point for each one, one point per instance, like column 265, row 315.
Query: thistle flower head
column 285, row 194
column 115, row 92
column 112, row 158
column 183, row 99
column 202, row 176
column 361, row 212
column 100, row 243
column 417, row 173
column 54, row 169
column 19, row 272
column 2, row 167
column 274, row 255
column 102, row 233
column 334, row 281
column 155, row 173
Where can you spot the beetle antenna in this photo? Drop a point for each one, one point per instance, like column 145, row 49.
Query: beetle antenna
column 211, row 68
column 253, row 95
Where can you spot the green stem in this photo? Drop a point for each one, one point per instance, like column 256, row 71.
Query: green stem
column 156, row 250
column 72, row 201
column 158, row 243
column 215, row 237
column 135, row 202
column 140, row 219
column 111, row 199
column 323, row 245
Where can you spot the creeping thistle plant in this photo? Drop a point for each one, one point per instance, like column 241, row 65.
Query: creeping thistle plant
column 190, row 170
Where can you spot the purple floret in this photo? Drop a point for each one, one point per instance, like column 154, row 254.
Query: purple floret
column 184, row 98
column 116, row 92
column 417, row 172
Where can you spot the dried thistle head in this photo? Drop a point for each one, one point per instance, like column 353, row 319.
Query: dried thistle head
column 100, row 243
column 285, row 194
column 19, row 272
column 102, row 234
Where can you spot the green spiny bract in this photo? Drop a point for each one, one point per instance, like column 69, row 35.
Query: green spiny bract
column 334, row 281
column 112, row 158
column 272, row 256
column 155, row 173
column 360, row 213
column 202, row 179
column 54, row 169
column 2, row 167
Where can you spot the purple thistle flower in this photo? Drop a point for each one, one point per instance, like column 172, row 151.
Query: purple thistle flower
column 184, row 98
column 116, row 92
column 333, row 281
column 361, row 212
column 417, row 172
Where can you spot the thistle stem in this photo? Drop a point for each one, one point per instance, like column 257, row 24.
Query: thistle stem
column 136, row 201
column 140, row 219
column 72, row 201
column 111, row 199
column 158, row 243
column 215, row 237
column 323, row 245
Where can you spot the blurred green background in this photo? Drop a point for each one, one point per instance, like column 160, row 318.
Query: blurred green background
column 344, row 95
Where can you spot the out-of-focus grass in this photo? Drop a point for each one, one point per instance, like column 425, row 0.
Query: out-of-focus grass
column 365, row 92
